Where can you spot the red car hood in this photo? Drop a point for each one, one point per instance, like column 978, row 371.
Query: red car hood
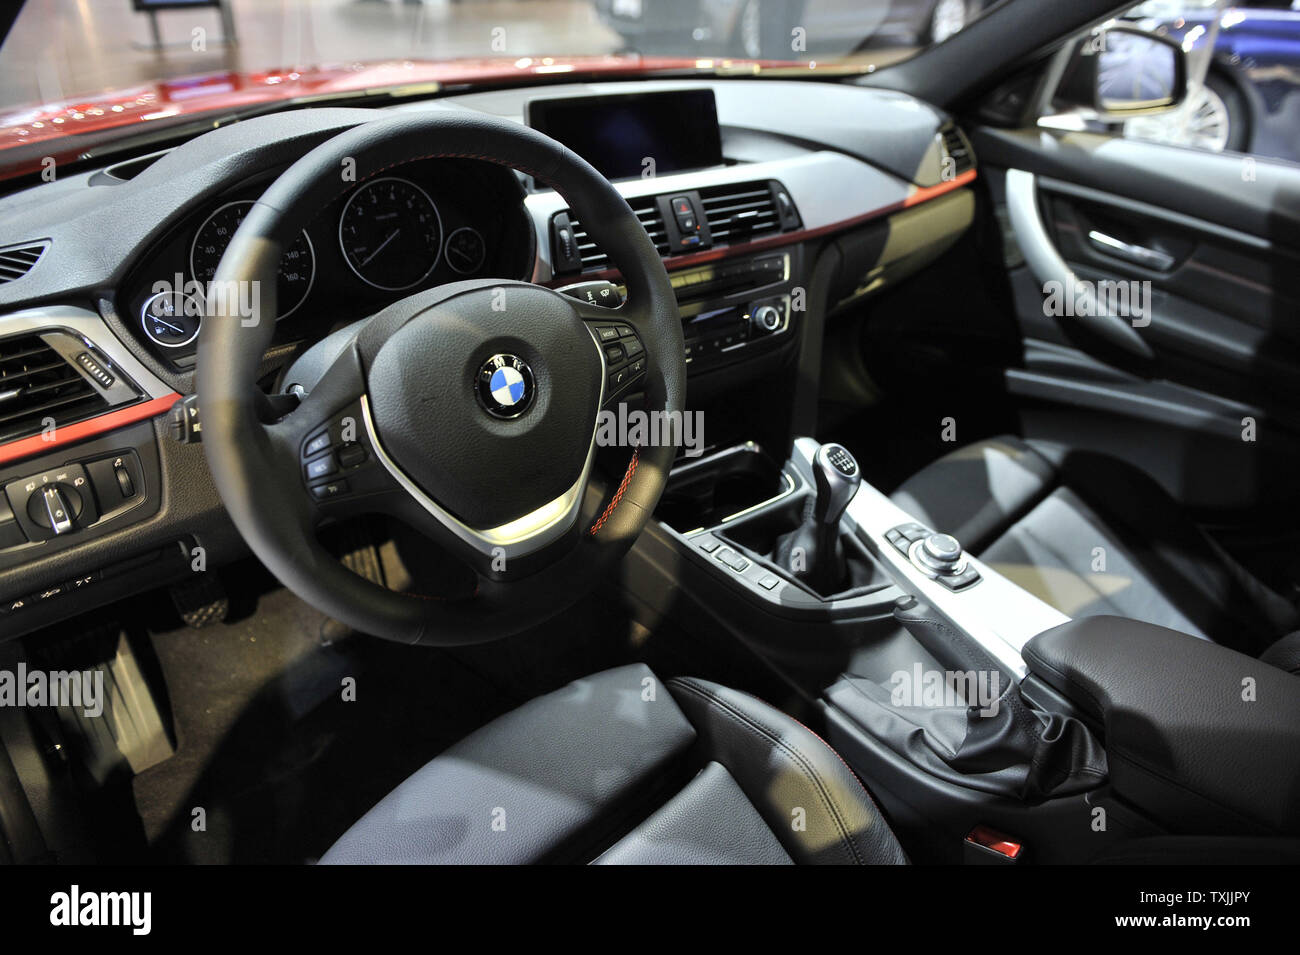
column 60, row 123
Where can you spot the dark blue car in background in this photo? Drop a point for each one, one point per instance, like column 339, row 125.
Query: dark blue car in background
column 1250, row 102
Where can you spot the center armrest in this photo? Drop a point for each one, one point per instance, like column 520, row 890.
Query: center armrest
column 1203, row 738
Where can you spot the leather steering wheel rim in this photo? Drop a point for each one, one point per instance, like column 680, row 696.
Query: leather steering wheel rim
column 262, row 491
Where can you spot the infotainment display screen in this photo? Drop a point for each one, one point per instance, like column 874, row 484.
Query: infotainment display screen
column 637, row 134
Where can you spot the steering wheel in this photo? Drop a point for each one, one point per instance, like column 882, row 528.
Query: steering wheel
column 469, row 410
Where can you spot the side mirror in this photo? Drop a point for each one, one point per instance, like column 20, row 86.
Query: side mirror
column 1120, row 72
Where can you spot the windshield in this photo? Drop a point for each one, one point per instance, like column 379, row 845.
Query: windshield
column 79, row 79
column 63, row 51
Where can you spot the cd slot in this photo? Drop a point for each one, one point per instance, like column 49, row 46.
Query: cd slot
column 719, row 281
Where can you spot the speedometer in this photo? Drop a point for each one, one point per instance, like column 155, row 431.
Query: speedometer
column 297, row 262
column 391, row 234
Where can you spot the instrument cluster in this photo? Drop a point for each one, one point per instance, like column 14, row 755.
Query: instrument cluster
column 417, row 226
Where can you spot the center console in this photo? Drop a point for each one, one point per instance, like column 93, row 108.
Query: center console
column 913, row 648
column 887, row 556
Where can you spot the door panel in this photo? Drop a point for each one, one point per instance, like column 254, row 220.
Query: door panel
column 1159, row 306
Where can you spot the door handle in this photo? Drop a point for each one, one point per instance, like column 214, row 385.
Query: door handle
column 1047, row 265
column 1138, row 254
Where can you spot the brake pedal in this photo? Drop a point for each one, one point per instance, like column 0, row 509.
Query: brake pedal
column 201, row 602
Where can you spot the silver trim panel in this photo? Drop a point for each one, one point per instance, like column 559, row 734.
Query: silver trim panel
column 1000, row 616
column 90, row 326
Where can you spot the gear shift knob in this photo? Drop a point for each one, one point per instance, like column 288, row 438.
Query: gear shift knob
column 837, row 475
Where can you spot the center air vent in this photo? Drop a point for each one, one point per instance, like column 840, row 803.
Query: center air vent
column 17, row 260
column 732, row 214
column 738, row 213
column 647, row 213
column 957, row 148
column 39, row 385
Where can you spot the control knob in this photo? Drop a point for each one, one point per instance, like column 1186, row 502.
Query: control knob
column 766, row 318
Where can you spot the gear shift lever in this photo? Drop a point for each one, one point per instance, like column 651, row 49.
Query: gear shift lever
column 837, row 475
column 813, row 552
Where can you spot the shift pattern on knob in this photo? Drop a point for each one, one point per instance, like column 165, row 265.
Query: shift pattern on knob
column 837, row 477
column 839, row 457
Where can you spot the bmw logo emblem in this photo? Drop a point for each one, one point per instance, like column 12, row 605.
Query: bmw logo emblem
column 505, row 386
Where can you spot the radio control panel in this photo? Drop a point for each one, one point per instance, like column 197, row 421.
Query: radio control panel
column 729, row 311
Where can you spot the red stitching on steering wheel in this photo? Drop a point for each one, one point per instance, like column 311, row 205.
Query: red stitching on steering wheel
column 618, row 495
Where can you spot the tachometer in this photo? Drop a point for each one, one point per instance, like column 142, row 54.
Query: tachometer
column 391, row 234
column 297, row 262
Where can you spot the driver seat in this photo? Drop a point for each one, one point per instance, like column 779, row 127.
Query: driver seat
column 619, row 768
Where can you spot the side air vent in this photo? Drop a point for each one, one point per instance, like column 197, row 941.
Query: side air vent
column 37, row 383
column 647, row 212
column 17, row 260
column 956, row 147
column 738, row 213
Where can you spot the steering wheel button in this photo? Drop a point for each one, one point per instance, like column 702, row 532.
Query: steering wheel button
column 323, row 492
column 607, row 333
column 615, row 354
column 321, row 467
column 352, row 455
column 316, row 445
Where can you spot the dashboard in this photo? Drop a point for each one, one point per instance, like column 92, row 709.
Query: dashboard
column 759, row 180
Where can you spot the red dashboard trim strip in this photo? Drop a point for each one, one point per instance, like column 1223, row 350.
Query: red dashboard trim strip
column 26, row 447
column 918, row 195
column 926, row 193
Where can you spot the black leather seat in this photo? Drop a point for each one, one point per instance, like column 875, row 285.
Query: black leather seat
column 1092, row 535
column 620, row 768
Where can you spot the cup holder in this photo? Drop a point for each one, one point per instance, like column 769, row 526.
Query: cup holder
column 708, row 491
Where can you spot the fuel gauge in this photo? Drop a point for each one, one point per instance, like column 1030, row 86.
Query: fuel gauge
column 465, row 250
column 171, row 319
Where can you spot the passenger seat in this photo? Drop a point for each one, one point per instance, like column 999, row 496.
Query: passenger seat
column 1090, row 534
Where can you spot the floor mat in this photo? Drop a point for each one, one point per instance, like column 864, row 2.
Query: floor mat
column 274, row 759
column 284, row 740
